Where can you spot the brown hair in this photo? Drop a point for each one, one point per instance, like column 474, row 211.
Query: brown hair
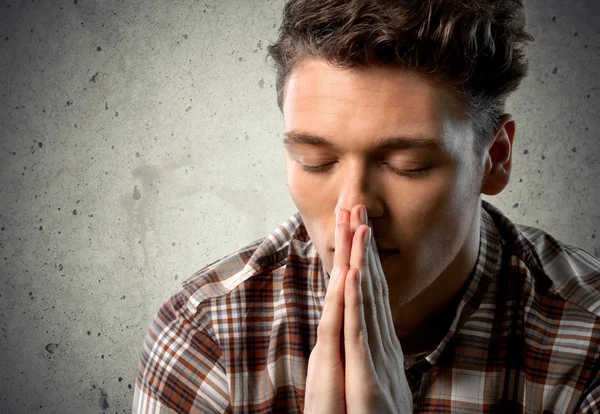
column 470, row 46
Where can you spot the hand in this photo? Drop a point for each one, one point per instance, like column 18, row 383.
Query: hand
column 375, row 378
column 366, row 371
column 325, row 377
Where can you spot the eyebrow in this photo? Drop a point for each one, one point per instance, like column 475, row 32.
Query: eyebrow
column 386, row 143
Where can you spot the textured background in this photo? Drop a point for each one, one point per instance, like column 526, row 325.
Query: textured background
column 140, row 141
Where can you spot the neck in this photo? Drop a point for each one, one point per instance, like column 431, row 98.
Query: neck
column 431, row 333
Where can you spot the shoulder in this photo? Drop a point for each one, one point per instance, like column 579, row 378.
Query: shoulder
column 241, row 269
column 232, row 274
column 574, row 274
column 182, row 351
column 567, row 272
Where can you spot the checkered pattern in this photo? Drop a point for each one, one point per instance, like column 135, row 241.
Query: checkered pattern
column 237, row 335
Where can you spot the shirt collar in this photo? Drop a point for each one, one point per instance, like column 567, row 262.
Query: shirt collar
column 275, row 248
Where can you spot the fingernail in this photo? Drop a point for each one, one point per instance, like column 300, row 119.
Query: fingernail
column 363, row 214
column 337, row 215
column 368, row 237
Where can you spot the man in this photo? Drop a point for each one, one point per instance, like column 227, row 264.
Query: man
column 395, row 288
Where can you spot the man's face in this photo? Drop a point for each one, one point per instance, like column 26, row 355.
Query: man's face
column 428, row 219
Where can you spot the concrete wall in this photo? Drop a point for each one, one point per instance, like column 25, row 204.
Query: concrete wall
column 140, row 141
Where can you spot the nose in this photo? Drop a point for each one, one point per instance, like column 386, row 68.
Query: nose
column 355, row 189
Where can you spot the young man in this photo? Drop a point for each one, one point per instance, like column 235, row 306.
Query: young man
column 437, row 302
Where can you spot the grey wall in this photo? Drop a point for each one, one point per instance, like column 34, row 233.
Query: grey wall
column 139, row 142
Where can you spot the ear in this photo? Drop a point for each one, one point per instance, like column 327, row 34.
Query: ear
column 498, row 159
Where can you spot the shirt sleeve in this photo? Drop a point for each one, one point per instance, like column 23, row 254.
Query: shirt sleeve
column 181, row 369
column 590, row 403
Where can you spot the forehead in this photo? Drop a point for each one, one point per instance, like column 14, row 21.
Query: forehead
column 361, row 105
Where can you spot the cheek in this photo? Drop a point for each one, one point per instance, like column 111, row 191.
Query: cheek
column 447, row 218
column 312, row 204
column 301, row 191
column 317, row 207
column 298, row 186
column 310, row 198
column 430, row 211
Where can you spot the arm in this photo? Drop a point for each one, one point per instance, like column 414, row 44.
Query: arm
column 181, row 369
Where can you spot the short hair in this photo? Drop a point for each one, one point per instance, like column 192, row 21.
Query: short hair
column 472, row 47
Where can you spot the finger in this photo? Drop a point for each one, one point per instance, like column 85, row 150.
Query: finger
column 355, row 219
column 330, row 325
column 390, row 341
column 356, row 337
column 359, row 260
column 358, row 254
column 343, row 239
column 381, row 293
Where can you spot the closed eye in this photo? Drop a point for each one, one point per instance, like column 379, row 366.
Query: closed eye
column 415, row 173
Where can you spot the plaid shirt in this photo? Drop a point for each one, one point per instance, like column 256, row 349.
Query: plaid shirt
column 236, row 337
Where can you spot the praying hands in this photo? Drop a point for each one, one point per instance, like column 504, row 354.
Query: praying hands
column 357, row 364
